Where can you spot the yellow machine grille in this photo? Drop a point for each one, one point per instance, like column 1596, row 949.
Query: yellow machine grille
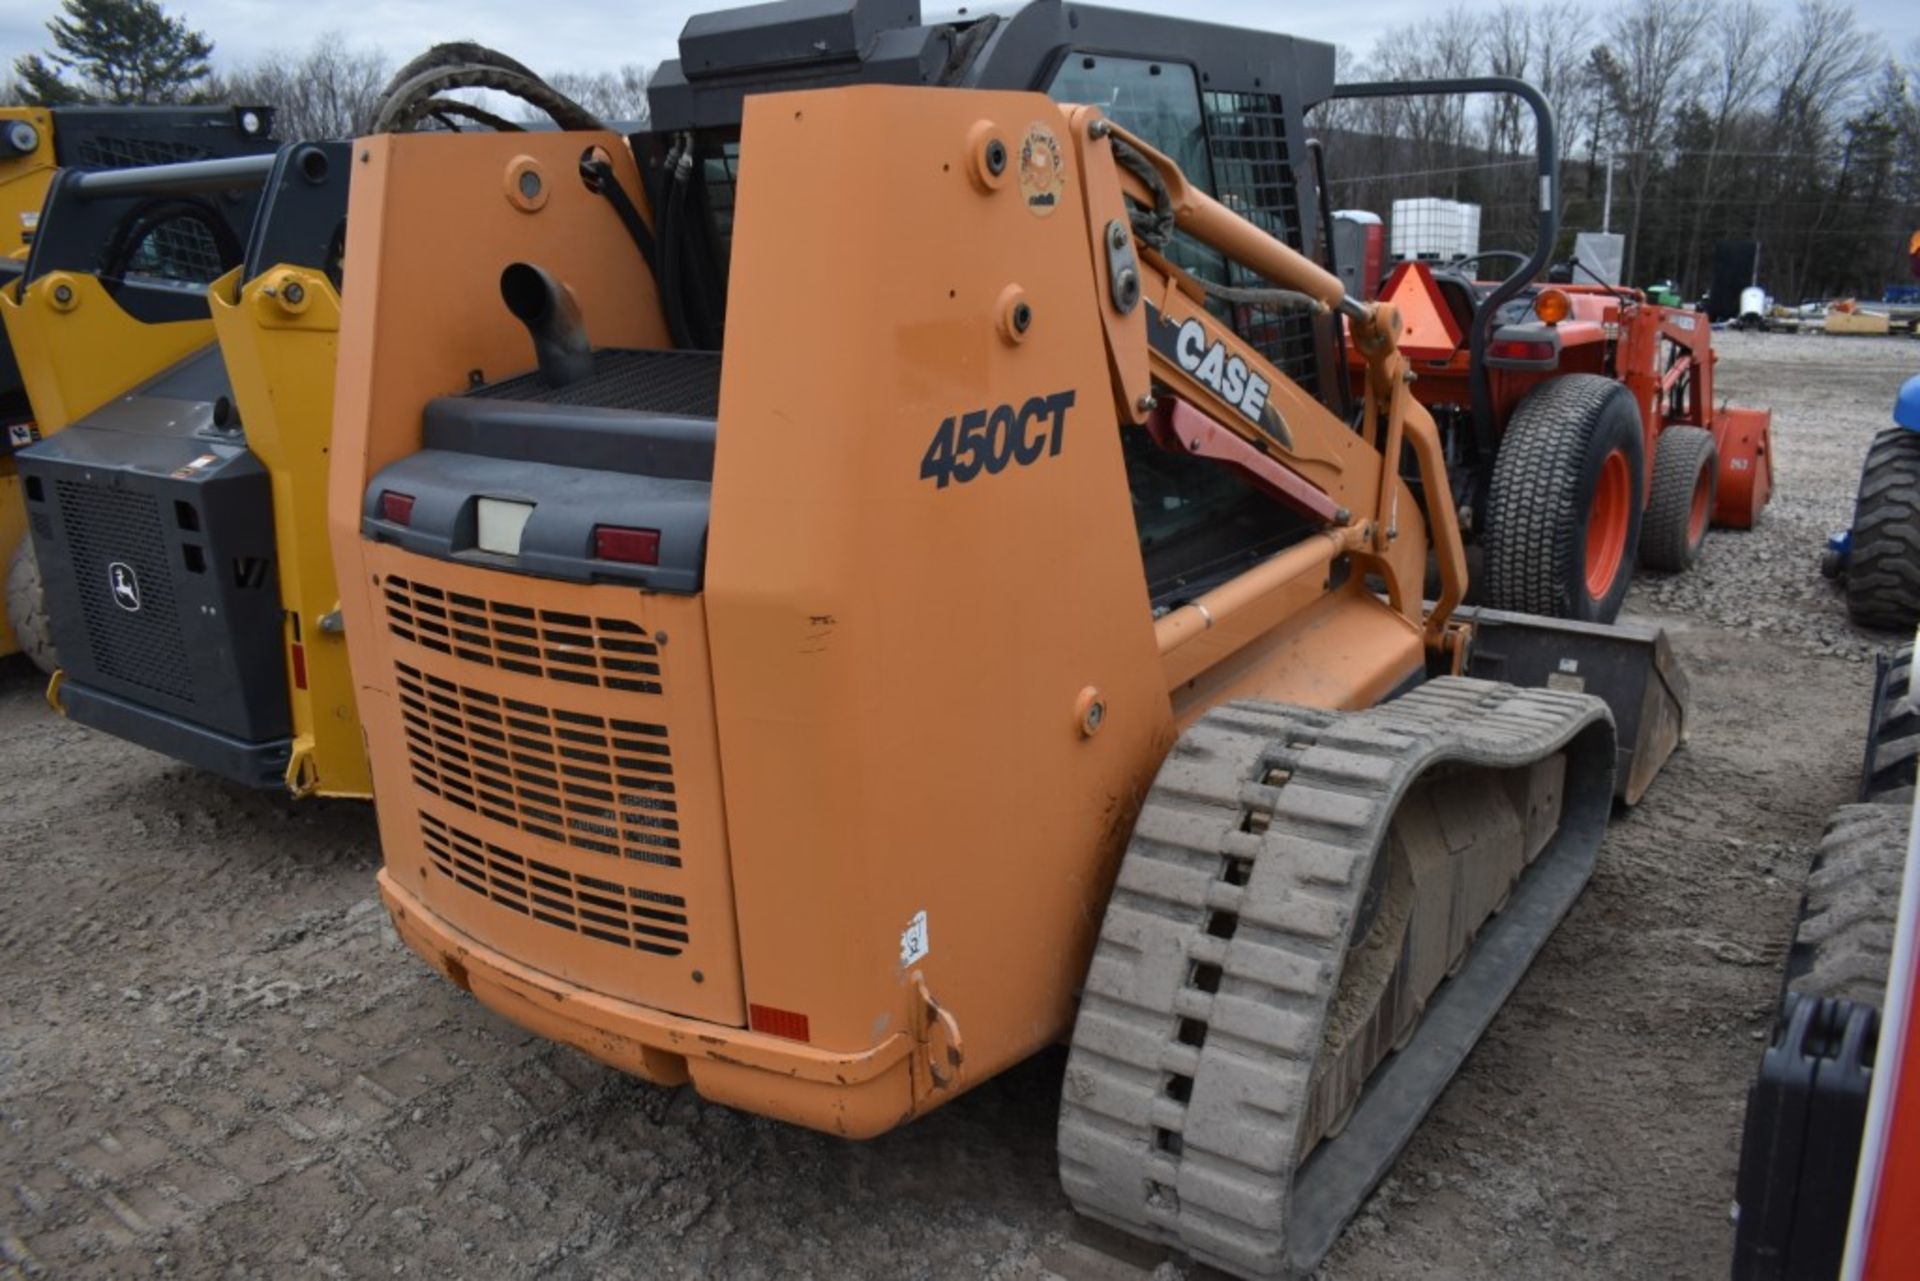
column 588, row 781
column 576, row 648
column 589, row 905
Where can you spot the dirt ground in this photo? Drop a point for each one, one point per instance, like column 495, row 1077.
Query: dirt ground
column 215, row 1059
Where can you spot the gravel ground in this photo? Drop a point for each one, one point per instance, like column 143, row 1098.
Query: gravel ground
column 215, row 1060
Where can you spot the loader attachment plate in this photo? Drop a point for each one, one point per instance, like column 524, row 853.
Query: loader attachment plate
column 1628, row 665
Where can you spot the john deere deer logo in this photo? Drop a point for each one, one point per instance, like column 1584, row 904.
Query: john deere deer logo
column 125, row 584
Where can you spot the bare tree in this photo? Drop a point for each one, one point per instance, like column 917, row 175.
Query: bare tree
column 1733, row 122
column 618, row 97
column 1741, row 49
column 1447, row 47
column 1824, row 65
column 330, row 91
column 1649, row 61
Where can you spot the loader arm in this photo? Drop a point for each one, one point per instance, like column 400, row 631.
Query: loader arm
column 1202, row 389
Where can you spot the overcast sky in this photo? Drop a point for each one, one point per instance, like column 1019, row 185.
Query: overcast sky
column 595, row 35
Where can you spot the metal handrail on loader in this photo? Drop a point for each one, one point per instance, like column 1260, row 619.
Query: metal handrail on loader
column 189, row 178
column 1397, row 416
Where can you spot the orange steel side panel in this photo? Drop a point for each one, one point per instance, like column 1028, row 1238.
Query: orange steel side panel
column 432, row 228
column 1345, row 648
column 898, row 665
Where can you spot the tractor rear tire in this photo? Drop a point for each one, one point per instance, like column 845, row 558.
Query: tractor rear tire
column 1883, row 567
column 1686, row 480
column 1564, row 507
column 1844, row 941
column 27, row 608
column 1893, row 735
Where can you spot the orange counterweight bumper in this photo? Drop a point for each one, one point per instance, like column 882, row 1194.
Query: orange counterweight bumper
column 855, row 1095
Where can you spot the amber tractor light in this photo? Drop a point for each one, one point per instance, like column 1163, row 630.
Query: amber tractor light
column 1552, row 306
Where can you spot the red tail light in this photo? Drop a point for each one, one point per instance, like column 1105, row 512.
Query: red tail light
column 396, row 507
column 633, row 546
column 1511, row 350
column 299, row 666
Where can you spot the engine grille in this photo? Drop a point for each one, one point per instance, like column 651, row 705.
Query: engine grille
column 574, row 648
column 598, row 908
column 110, row 152
column 1247, row 143
column 105, row 526
column 591, row 782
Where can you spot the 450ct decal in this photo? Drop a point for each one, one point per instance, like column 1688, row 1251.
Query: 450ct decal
column 988, row 439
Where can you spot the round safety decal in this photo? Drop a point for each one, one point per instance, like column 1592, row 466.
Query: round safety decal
column 1042, row 173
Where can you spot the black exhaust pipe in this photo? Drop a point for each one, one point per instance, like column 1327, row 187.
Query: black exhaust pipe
column 553, row 321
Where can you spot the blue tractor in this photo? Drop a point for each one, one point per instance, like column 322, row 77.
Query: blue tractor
column 1878, row 557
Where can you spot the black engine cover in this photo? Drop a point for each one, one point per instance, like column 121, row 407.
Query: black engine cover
column 153, row 525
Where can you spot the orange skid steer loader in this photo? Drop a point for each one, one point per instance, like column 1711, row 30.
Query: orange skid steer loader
column 792, row 663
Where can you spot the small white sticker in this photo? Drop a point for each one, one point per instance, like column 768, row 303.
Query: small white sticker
column 913, row 940
column 20, row 435
column 1682, row 322
column 1569, row 665
column 1739, row 464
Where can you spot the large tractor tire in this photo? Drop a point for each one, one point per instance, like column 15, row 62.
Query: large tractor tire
column 1564, row 511
column 1883, row 567
column 27, row 608
column 1893, row 734
column 1845, row 937
column 1686, row 479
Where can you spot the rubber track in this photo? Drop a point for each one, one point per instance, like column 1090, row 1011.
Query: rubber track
column 1844, row 942
column 1883, row 567
column 1532, row 528
column 1893, row 735
column 1212, row 1172
column 27, row 608
column 1678, row 456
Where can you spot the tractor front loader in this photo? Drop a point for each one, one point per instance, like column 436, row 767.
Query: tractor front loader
column 839, row 608
column 177, row 500
column 35, row 142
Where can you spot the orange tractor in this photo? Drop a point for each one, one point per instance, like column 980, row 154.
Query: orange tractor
column 1580, row 423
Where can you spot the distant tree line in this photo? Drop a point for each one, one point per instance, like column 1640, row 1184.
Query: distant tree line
column 1721, row 119
column 130, row 52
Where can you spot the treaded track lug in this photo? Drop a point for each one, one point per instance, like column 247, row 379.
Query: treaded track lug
column 1206, row 1005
